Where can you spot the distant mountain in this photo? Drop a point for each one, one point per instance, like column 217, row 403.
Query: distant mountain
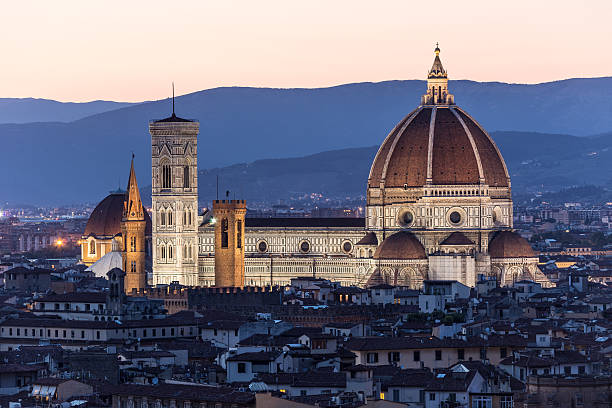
column 81, row 160
column 26, row 110
column 535, row 161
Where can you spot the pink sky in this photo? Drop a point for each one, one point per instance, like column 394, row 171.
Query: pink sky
column 131, row 50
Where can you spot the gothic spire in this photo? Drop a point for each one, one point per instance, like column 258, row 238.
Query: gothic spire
column 132, row 206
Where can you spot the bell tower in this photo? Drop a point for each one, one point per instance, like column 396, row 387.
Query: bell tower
column 133, row 226
column 174, row 143
column 229, row 242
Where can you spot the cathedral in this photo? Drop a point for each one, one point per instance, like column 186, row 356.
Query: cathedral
column 439, row 207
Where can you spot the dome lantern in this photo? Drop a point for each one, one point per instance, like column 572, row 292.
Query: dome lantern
column 437, row 84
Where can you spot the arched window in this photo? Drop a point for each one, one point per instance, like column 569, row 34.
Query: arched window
column 186, row 177
column 224, row 233
column 92, row 247
column 166, row 175
column 163, row 252
column 162, row 216
column 133, row 244
column 133, row 267
column 170, row 254
column 185, row 217
column 170, row 217
column 185, row 251
column 189, row 253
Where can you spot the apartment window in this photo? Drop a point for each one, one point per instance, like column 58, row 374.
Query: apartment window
column 482, row 401
column 172, row 331
column 394, row 356
column 215, row 332
column 432, row 396
column 163, row 332
column 241, row 367
column 98, row 334
column 581, row 370
column 452, row 397
column 57, row 333
column 567, row 370
column 416, row 356
column 579, row 400
column 396, row 395
column 506, row 401
column 372, row 358
column 41, row 332
column 438, row 355
column 82, row 334
column 461, row 354
column 10, row 331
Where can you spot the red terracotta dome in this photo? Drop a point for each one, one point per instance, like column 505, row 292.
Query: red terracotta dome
column 508, row 244
column 440, row 142
column 105, row 219
column 401, row 245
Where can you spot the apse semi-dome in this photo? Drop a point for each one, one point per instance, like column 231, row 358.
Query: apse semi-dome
column 105, row 219
column 509, row 244
column 401, row 245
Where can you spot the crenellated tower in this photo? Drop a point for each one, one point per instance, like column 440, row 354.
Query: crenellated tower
column 229, row 242
column 133, row 225
column 174, row 143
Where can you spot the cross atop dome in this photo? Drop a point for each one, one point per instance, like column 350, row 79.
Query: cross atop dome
column 437, row 84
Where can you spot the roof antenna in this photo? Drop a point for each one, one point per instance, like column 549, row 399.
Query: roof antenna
column 173, row 99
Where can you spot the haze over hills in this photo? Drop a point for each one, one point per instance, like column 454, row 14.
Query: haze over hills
column 535, row 161
column 84, row 159
column 26, row 110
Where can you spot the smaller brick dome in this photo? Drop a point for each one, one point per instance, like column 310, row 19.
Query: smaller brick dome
column 508, row 244
column 105, row 219
column 401, row 245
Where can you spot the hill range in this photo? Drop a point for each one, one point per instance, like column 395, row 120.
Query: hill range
column 80, row 161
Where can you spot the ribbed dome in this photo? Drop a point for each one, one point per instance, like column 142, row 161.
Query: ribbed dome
column 508, row 244
column 442, row 143
column 105, row 219
column 401, row 245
